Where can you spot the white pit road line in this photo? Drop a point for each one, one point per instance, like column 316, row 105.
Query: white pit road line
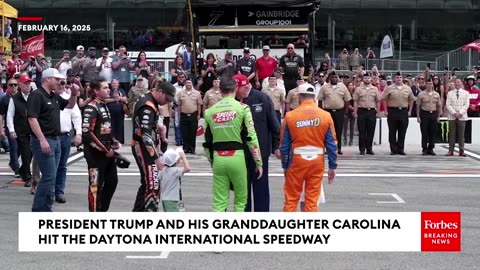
column 397, row 198
column 163, row 255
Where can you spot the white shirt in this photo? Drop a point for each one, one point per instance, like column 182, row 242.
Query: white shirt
column 11, row 112
column 67, row 116
column 107, row 71
column 178, row 90
column 64, row 67
column 458, row 104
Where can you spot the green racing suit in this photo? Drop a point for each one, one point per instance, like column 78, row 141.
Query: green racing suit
column 228, row 127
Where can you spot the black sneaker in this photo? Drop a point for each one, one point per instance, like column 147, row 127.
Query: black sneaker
column 28, row 183
column 402, row 153
column 17, row 175
column 370, row 152
column 431, row 153
column 60, row 199
column 362, row 153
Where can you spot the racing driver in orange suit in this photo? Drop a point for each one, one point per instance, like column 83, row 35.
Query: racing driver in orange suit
column 306, row 132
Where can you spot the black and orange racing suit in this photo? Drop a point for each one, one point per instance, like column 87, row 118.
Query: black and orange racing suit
column 98, row 140
column 144, row 148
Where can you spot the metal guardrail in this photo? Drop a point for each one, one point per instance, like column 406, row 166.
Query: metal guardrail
column 460, row 59
column 385, row 66
column 408, row 66
column 158, row 65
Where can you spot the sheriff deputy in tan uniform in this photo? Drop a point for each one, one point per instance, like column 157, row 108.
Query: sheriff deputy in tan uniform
column 333, row 98
column 292, row 101
column 366, row 110
column 429, row 109
column 276, row 95
column 212, row 96
column 400, row 100
column 190, row 103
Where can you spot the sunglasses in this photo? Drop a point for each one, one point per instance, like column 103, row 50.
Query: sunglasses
column 289, row 48
column 12, row 84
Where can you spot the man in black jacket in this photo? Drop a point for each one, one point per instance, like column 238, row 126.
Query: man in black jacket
column 13, row 147
column 267, row 128
column 17, row 122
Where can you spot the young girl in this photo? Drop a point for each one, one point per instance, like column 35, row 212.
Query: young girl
column 169, row 178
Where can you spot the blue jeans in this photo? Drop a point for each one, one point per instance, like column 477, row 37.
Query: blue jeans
column 14, row 154
column 178, row 128
column 5, row 144
column 48, row 164
column 65, row 143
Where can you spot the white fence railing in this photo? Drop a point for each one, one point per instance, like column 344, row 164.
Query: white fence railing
column 389, row 65
column 459, row 59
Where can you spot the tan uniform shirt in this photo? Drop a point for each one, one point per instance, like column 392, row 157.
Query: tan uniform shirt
column 292, row 98
column 429, row 102
column 276, row 95
column 211, row 98
column 190, row 100
column 398, row 96
column 166, row 110
column 367, row 97
column 334, row 96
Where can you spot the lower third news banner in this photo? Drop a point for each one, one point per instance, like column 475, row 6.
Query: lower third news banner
column 239, row 232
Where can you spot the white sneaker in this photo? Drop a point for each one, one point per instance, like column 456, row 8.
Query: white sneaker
column 218, row 252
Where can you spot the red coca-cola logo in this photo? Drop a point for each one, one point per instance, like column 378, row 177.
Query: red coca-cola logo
column 34, row 46
column 223, row 117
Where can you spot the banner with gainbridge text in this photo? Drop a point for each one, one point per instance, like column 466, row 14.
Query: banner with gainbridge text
column 239, row 232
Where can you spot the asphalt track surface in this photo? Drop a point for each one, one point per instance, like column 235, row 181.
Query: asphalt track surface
column 412, row 183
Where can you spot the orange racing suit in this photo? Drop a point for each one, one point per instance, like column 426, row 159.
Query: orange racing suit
column 306, row 132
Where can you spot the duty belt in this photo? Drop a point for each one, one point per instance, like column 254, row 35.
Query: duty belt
column 368, row 109
column 333, row 110
column 188, row 114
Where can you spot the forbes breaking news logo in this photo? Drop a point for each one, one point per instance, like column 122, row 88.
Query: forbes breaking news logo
column 441, row 231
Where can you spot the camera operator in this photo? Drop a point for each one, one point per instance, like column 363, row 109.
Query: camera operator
column 35, row 66
column 121, row 66
column 64, row 64
column 89, row 65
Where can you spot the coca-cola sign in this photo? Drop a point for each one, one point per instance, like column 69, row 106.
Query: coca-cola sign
column 33, row 46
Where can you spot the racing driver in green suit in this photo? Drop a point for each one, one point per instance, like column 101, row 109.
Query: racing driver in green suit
column 228, row 126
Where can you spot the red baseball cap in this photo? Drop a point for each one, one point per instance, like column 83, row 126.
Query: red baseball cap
column 24, row 78
column 241, row 79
